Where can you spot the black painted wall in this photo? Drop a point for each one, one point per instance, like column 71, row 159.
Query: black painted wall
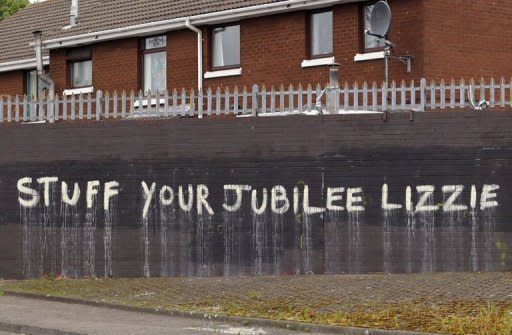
column 320, row 152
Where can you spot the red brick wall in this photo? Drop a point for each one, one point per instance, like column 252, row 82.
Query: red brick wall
column 406, row 33
column 272, row 49
column 115, row 66
column 59, row 70
column 468, row 38
column 12, row 83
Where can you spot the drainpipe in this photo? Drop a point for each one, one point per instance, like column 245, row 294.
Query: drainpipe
column 38, row 48
column 199, row 54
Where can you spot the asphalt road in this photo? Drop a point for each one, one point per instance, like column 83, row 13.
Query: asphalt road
column 92, row 320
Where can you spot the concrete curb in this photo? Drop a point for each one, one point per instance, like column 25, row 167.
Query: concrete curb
column 291, row 325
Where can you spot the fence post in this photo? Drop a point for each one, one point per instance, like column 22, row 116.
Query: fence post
column 334, row 87
column 26, row 108
column 255, row 90
column 263, row 99
column 17, row 109
column 492, row 94
column 40, row 110
column 226, row 100
column 99, row 94
column 200, row 103
column 50, row 109
column 462, row 94
column 502, row 92
column 235, row 100
column 291, row 107
column 384, row 96
column 423, row 94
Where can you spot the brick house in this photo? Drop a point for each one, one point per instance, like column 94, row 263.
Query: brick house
column 149, row 45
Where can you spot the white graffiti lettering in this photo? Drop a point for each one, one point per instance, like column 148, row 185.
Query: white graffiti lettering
column 385, row 205
column 278, row 196
column 355, row 199
column 166, row 195
column 455, row 191
column 309, row 210
column 334, row 194
column 186, row 206
column 238, row 189
column 65, row 197
column 254, row 202
column 22, row 189
column 488, row 196
column 202, row 202
column 111, row 189
column 147, row 195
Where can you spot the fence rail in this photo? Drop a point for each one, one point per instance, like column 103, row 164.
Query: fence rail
column 422, row 96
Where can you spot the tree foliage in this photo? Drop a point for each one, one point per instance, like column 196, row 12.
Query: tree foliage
column 9, row 7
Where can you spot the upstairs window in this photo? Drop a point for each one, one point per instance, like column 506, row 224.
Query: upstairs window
column 321, row 34
column 226, row 47
column 371, row 43
column 154, row 59
column 80, row 65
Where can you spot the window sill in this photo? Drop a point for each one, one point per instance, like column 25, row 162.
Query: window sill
column 369, row 56
column 75, row 91
column 223, row 73
column 317, row 62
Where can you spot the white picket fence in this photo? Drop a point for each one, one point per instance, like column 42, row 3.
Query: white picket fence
column 262, row 101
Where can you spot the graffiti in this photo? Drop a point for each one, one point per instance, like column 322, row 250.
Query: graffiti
column 32, row 195
column 349, row 199
column 208, row 229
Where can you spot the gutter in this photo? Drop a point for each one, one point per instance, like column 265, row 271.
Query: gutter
column 23, row 64
column 181, row 23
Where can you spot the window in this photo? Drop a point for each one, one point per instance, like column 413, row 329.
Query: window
column 226, row 47
column 321, row 34
column 371, row 43
column 80, row 65
column 154, row 64
column 31, row 85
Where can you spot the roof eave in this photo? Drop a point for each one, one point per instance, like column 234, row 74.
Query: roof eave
column 23, row 64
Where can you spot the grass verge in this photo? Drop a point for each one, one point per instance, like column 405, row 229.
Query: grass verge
column 287, row 299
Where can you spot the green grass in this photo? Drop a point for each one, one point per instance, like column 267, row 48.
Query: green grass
column 429, row 314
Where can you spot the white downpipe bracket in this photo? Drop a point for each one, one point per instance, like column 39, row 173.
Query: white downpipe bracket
column 199, row 54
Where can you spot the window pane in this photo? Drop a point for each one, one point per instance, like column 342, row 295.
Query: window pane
column 155, row 71
column 321, row 33
column 370, row 42
column 82, row 73
column 31, row 84
column 156, row 42
column 226, row 46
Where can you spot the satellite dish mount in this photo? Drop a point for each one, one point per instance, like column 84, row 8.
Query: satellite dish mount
column 380, row 24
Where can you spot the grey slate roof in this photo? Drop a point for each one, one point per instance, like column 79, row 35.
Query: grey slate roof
column 97, row 15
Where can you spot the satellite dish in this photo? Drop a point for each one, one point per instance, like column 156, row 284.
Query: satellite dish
column 380, row 19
